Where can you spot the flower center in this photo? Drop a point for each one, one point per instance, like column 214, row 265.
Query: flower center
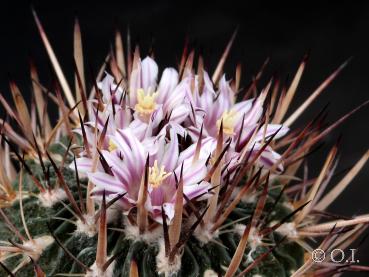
column 229, row 121
column 145, row 102
column 112, row 145
column 157, row 175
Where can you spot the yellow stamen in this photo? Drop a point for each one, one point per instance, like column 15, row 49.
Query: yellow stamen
column 112, row 146
column 156, row 175
column 145, row 102
column 229, row 122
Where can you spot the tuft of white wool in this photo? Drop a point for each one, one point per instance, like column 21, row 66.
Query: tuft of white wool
column 204, row 235
column 163, row 265
column 132, row 232
column 88, row 227
column 239, row 229
column 254, row 239
column 287, row 229
column 38, row 245
column 97, row 272
column 210, row 273
column 50, row 197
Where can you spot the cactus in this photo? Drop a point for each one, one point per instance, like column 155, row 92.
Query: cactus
column 191, row 175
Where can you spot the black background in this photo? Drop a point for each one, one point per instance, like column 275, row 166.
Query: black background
column 331, row 32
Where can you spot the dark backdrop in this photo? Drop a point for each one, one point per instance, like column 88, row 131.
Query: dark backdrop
column 331, row 32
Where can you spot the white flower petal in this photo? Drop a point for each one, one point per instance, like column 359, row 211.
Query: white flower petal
column 168, row 82
column 149, row 74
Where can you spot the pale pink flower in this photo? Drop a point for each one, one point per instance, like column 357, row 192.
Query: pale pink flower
column 239, row 120
column 127, row 170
